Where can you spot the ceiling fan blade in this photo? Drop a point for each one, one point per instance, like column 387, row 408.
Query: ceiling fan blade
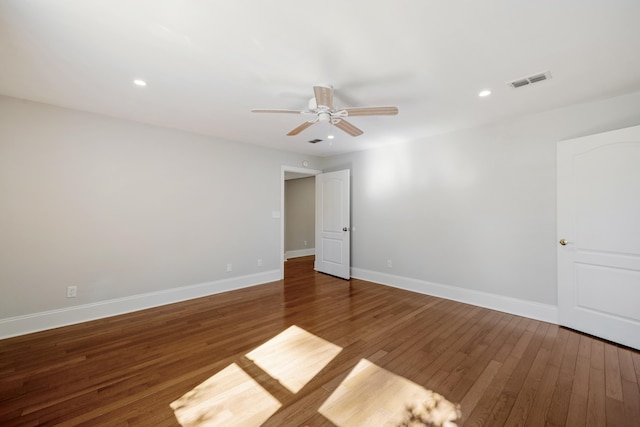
column 277, row 111
column 324, row 96
column 348, row 128
column 371, row 111
column 301, row 128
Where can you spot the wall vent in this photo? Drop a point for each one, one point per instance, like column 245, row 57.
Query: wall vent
column 315, row 141
column 525, row 81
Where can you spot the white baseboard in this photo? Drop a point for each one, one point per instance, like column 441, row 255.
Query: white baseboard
column 36, row 322
column 530, row 309
column 21, row 325
column 300, row 252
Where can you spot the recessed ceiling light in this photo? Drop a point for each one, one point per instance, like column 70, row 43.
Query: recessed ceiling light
column 330, row 136
column 139, row 82
column 484, row 93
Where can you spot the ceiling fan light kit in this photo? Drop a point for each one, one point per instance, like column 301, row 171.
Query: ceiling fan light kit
column 322, row 109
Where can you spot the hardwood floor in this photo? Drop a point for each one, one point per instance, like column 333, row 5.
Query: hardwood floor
column 314, row 350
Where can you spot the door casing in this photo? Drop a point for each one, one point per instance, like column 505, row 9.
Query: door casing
column 283, row 170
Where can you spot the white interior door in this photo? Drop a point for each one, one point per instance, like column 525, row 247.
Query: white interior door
column 599, row 235
column 333, row 229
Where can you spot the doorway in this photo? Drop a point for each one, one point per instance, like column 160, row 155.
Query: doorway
column 289, row 173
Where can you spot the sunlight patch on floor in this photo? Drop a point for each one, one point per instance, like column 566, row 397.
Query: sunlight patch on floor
column 368, row 396
column 230, row 397
column 373, row 396
column 294, row 357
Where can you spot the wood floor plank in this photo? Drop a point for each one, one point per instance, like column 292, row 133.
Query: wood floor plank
column 613, row 377
column 559, row 405
column 636, row 363
column 471, row 399
column 523, row 395
column 129, row 370
column 596, row 415
column 492, row 403
column 578, row 403
column 477, row 362
column 541, row 406
column 473, row 354
column 631, row 401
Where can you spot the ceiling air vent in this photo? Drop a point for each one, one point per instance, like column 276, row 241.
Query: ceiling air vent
column 536, row 78
column 315, row 141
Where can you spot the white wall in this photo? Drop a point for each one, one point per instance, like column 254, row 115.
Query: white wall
column 135, row 214
column 471, row 215
column 122, row 209
column 300, row 215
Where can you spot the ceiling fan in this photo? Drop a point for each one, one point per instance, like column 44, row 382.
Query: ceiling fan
column 321, row 109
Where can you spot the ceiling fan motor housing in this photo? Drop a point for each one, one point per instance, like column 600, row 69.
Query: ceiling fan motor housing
column 324, row 116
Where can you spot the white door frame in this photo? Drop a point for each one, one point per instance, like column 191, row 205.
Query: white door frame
column 283, row 169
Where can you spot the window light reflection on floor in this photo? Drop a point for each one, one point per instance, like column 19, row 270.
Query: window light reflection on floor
column 294, row 357
column 233, row 397
column 228, row 396
column 373, row 396
column 368, row 396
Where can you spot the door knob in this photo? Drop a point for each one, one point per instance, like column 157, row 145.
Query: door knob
column 563, row 242
column 345, row 228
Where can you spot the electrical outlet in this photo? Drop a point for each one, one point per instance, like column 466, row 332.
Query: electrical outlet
column 72, row 291
column 229, row 267
column 259, row 262
column 305, row 243
column 389, row 263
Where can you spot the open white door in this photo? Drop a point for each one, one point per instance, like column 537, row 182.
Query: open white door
column 599, row 235
column 333, row 229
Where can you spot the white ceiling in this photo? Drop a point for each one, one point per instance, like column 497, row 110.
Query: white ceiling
column 207, row 63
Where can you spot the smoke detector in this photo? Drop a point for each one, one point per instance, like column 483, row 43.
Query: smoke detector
column 525, row 81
